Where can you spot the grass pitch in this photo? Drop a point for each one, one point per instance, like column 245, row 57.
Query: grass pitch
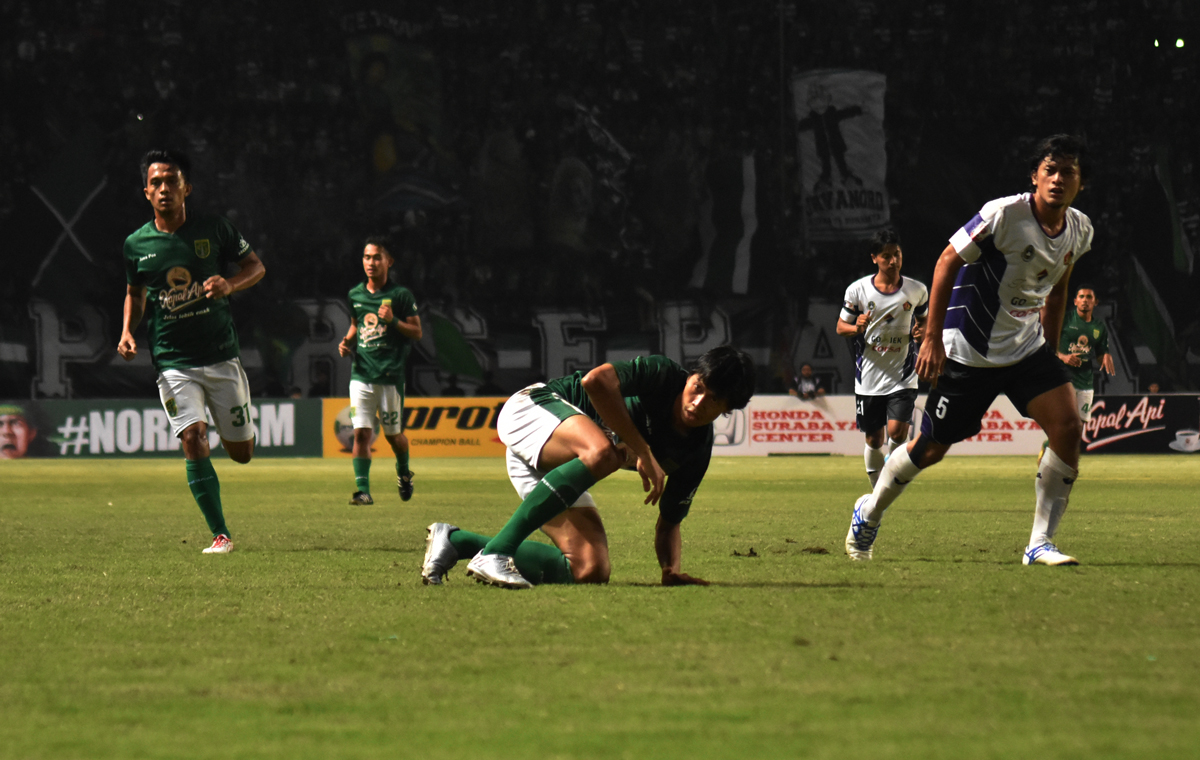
column 315, row 638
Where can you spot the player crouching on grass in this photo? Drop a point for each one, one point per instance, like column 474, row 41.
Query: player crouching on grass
column 649, row 414
column 995, row 313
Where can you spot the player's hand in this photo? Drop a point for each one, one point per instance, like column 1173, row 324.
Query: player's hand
column 343, row 348
column 217, row 287
column 1070, row 359
column 930, row 360
column 1107, row 364
column 127, row 347
column 861, row 323
column 918, row 332
column 653, row 478
column 386, row 315
column 672, row 578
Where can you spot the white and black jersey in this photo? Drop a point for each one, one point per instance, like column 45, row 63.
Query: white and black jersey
column 1012, row 265
column 885, row 355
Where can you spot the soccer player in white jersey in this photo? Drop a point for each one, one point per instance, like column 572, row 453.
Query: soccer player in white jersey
column 884, row 314
column 997, row 302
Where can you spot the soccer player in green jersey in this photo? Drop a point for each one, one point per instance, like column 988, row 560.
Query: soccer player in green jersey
column 1083, row 340
column 649, row 414
column 176, row 262
column 384, row 328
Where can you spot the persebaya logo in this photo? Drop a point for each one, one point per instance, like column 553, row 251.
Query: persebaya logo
column 1096, row 333
column 203, row 249
column 172, row 408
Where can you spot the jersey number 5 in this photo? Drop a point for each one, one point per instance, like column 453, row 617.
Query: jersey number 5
column 942, row 405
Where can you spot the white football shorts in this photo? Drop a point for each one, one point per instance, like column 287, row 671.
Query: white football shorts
column 369, row 399
column 222, row 388
column 1083, row 399
column 524, row 427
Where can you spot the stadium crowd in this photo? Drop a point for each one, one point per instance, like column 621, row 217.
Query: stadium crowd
column 560, row 156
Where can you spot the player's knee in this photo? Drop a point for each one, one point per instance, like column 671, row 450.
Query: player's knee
column 595, row 570
column 602, row 461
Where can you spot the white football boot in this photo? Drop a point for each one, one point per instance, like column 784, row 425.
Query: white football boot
column 861, row 536
column 496, row 569
column 1046, row 554
column 440, row 554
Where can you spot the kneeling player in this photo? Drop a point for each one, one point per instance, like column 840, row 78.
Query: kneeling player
column 649, row 414
column 1004, row 270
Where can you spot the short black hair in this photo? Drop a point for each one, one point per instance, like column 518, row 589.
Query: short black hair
column 728, row 373
column 1087, row 286
column 379, row 241
column 175, row 158
column 1059, row 146
column 882, row 239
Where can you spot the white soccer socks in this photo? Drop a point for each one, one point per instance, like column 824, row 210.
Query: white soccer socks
column 874, row 461
column 895, row 443
column 1053, row 489
column 897, row 473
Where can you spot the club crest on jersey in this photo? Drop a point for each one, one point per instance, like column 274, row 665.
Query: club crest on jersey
column 203, row 249
column 1096, row 333
column 172, row 407
column 908, row 305
column 1027, row 255
column 870, row 306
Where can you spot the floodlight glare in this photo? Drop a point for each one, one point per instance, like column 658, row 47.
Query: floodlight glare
column 1179, row 43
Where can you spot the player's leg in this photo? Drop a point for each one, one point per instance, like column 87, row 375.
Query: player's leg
column 445, row 544
column 900, row 407
column 227, row 393
column 1056, row 412
column 871, row 421
column 572, row 451
column 953, row 411
column 391, row 416
column 183, row 399
column 364, row 404
column 579, row 534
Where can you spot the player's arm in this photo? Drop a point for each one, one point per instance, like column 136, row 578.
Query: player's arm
column 1106, row 364
column 409, row 328
column 932, row 356
column 250, row 271
column 603, row 387
column 850, row 329
column 345, row 347
column 135, row 308
column 1054, row 309
column 668, row 545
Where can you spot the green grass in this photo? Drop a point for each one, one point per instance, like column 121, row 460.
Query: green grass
column 316, row 639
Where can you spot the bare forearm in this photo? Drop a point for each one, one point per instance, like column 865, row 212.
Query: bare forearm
column 251, row 272
column 409, row 328
column 135, row 309
column 845, row 329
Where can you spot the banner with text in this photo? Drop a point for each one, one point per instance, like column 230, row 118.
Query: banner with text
column 789, row 425
column 436, row 427
column 1146, row 424
column 140, row 428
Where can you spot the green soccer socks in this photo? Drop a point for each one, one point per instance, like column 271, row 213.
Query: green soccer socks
column 206, row 489
column 538, row 563
column 557, row 491
column 362, row 474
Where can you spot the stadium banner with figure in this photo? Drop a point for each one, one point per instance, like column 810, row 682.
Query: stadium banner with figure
column 140, row 428
column 454, row 426
column 1144, row 424
column 788, row 425
column 843, row 154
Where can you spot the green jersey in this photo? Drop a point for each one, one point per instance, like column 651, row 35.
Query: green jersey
column 186, row 328
column 1088, row 341
column 382, row 350
column 651, row 385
